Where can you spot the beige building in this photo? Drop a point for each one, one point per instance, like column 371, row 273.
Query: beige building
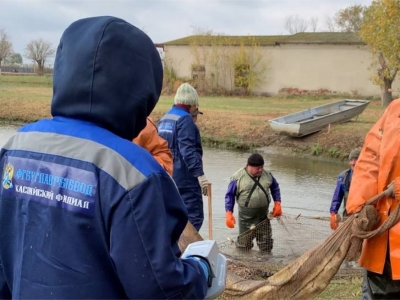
column 335, row 61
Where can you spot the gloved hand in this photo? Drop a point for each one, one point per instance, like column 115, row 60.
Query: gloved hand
column 334, row 222
column 230, row 219
column 203, row 263
column 203, row 184
column 393, row 189
column 277, row 211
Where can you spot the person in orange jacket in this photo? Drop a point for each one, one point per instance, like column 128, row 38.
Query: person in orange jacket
column 149, row 139
column 250, row 187
column 377, row 166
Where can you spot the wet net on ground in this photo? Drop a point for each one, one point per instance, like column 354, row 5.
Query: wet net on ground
column 292, row 236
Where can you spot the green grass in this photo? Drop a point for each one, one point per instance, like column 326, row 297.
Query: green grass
column 17, row 80
column 263, row 105
column 342, row 289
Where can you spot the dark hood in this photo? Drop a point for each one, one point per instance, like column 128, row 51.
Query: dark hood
column 107, row 72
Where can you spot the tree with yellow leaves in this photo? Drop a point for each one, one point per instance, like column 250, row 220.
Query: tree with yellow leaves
column 380, row 30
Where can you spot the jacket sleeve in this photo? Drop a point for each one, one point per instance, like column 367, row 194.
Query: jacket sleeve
column 275, row 190
column 146, row 225
column 156, row 145
column 186, row 138
column 5, row 292
column 337, row 197
column 230, row 196
column 364, row 182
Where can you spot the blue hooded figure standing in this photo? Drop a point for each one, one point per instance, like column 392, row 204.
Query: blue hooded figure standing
column 84, row 212
column 178, row 128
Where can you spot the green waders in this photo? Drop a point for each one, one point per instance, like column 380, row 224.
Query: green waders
column 249, row 217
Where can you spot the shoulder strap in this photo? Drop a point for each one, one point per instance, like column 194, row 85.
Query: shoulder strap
column 152, row 122
column 256, row 183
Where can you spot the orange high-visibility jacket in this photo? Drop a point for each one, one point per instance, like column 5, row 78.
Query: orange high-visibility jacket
column 149, row 139
column 377, row 166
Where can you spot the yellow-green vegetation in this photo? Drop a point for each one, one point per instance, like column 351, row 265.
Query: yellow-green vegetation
column 236, row 68
column 379, row 30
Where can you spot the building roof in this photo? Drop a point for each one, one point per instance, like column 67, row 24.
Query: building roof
column 268, row 40
column 323, row 38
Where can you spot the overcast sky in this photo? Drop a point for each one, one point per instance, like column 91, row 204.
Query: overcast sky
column 162, row 20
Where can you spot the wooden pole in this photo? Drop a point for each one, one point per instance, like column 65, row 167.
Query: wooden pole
column 209, row 197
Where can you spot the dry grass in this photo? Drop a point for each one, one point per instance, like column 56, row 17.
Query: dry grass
column 242, row 123
column 342, row 289
column 233, row 122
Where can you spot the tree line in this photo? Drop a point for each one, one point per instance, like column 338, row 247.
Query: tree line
column 37, row 50
column 377, row 26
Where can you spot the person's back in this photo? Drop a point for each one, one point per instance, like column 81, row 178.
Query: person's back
column 84, row 212
column 179, row 130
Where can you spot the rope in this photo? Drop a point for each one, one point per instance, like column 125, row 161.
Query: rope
column 367, row 219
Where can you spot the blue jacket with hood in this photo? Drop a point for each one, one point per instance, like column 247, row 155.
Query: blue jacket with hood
column 183, row 136
column 84, row 212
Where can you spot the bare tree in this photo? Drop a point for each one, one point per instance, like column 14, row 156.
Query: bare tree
column 330, row 24
column 313, row 24
column 39, row 51
column 5, row 46
column 295, row 24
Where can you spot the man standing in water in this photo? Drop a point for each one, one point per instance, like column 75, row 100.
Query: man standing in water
column 249, row 186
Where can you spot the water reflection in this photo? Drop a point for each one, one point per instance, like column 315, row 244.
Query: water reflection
column 6, row 132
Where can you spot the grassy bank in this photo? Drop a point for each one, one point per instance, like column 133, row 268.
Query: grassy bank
column 239, row 123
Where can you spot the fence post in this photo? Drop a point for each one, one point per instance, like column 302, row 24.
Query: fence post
column 209, row 196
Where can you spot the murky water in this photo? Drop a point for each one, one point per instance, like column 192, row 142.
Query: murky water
column 306, row 186
column 5, row 133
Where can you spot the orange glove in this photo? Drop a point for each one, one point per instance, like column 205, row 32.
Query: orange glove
column 277, row 211
column 334, row 222
column 230, row 219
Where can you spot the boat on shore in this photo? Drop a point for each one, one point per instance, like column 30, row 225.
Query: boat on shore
column 317, row 118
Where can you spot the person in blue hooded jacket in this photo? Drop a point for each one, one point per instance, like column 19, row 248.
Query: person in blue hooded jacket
column 179, row 129
column 342, row 190
column 84, row 212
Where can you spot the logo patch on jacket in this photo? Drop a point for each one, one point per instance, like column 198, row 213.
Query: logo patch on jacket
column 53, row 184
column 7, row 176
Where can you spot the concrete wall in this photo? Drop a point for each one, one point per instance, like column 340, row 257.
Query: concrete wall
column 339, row 68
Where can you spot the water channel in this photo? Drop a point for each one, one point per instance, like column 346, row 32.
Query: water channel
column 306, row 184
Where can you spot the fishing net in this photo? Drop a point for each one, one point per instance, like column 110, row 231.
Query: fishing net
column 254, row 274
column 292, row 236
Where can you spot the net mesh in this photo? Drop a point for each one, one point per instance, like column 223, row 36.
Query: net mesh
column 292, row 236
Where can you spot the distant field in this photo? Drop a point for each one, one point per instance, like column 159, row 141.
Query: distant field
column 230, row 121
column 26, row 79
